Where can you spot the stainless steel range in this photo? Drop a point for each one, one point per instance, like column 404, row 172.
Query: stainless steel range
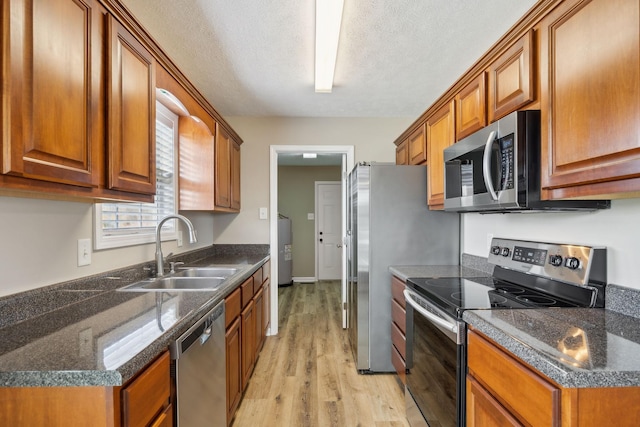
column 526, row 275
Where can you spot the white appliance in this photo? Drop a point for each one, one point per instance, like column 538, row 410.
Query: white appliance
column 285, row 257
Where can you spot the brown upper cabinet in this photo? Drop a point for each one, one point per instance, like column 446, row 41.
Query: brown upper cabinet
column 418, row 147
column 54, row 69
column 132, row 117
column 471, row 111
column 584, row 78
column 227, row 174
column 402, row 153
column 511, row 83
column 80, row 103
column 196, row 165
column 590, row 78
column 440, row 128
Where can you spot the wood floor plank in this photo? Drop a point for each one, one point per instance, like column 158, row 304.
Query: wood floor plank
column 306, row 375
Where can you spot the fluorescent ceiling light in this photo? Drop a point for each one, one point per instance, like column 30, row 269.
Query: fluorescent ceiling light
column 328, row 20
column 309, row 155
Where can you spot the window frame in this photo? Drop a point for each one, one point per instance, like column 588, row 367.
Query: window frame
column 142, row 236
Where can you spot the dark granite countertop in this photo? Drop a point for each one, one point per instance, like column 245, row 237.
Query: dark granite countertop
column 575, row 347
column 87, row 333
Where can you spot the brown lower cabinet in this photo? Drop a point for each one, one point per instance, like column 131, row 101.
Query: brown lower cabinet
column 143, row 401
column 248, row 315
column 398, row 328
column 504, row 391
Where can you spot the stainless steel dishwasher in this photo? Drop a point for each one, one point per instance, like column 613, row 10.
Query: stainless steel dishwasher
column 200, row 372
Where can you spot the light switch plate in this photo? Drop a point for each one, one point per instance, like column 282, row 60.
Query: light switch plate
column 311, row 216
column 263, row 213
column 84, row 252
column 179, row 239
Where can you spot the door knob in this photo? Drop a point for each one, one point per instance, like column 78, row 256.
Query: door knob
column 339, row 245
column 320, row 240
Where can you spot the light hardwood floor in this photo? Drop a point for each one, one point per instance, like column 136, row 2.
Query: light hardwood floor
column 306, row 376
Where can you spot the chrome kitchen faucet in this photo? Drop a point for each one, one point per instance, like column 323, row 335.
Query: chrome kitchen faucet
column 159, row 258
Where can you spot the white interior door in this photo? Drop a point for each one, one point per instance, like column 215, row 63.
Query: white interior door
column 329, row 230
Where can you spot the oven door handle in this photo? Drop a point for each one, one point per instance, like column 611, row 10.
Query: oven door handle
column 453, row 327
column 486, row 165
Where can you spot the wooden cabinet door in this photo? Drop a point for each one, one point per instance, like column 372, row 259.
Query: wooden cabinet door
column 259, row 304
column 417, row 147
column 440, row 129
column 234, row 367
column 471, row 112
column 148, row 394
column 223, row 168
column 54, row 65
column 511, row 76
column 196, row 165
column 248, row 333
column 235, row 175
column 132, row 117
column 267, row 308
column 590, row 74
column 484, row 410
column 402, row 153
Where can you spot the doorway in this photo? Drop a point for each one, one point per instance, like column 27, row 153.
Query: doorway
column 346, row 154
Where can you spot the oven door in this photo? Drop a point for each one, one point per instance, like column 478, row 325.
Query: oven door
column 435, row 391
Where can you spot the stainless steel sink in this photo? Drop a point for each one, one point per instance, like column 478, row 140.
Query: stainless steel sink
column 214, row 272
column 177, row 284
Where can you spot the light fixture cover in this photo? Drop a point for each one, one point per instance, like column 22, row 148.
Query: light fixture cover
column 328, row 21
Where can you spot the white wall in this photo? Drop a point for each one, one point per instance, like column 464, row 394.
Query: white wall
column 38, row 243
column 372, row 138
column 617, row 228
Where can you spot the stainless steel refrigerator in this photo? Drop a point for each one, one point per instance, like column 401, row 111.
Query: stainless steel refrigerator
column 389, row 223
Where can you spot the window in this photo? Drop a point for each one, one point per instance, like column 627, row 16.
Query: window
column 126, row 224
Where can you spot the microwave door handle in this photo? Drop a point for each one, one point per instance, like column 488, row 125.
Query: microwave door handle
column 486, row 165
column 428, row 315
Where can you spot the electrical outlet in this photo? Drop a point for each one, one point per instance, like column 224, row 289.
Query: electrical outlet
column 84, row 252
column 85, row 342
column 263, row 213
column 179, row 238
column 489, row 239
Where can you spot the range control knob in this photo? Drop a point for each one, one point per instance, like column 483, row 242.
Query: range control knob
column 572, row 263
column 495, row 250
column 555, row 260
column 505, row 252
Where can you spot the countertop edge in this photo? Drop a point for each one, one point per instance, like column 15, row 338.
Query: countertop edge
column 549, row 366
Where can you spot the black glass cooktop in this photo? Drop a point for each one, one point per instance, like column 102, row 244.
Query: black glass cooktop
column 454, row 294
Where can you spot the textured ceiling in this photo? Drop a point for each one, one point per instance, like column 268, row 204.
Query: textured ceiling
column 256, row 57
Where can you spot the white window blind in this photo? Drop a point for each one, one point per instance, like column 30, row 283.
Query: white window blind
column 125, row 224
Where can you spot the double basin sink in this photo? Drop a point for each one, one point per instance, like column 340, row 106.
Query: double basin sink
column 188, row 279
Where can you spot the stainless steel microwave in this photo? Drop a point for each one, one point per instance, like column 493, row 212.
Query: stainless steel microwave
column 497, row 169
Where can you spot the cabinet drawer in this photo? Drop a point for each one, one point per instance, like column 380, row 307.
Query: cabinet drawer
column 247, row 291
column 508, row 380
column 147, row 395
column 397, row 286
column 266, row 270
column 399, row 316
column 398, row 364
column 399, row 340
column 232, row 307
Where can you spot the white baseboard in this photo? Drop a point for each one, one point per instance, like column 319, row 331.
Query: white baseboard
column 304, row 279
